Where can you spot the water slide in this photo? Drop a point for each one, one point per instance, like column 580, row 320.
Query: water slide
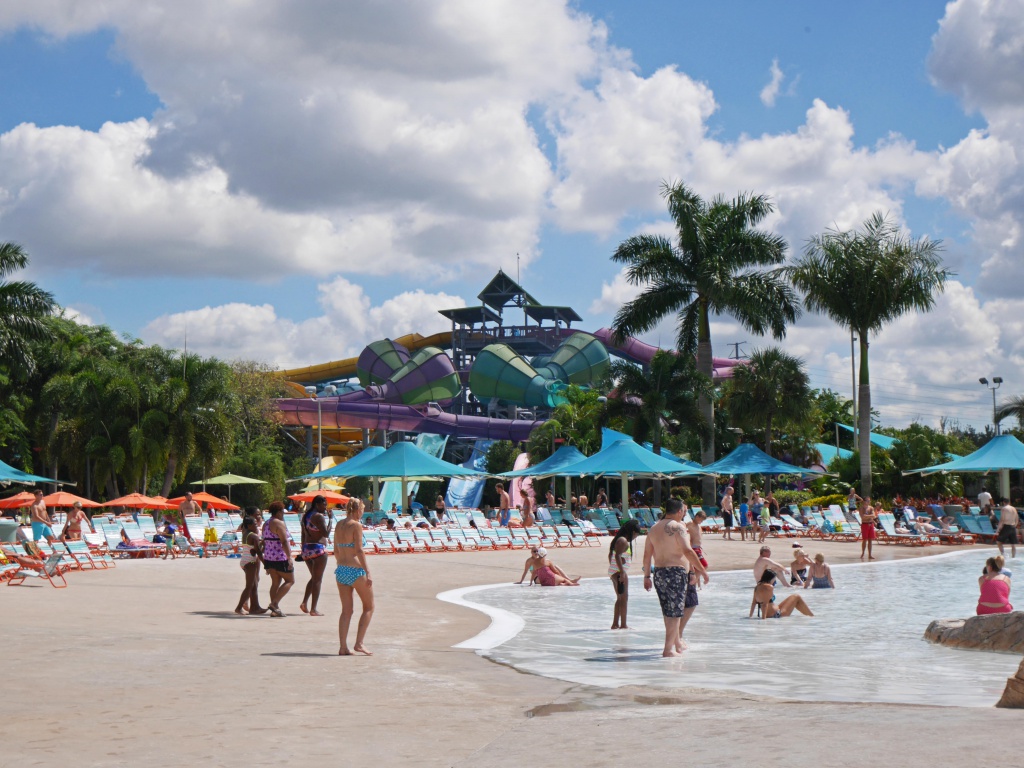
column 345, row 369
column 520, row 486
column 640, row 352
column 468, row 492
column 404, row 418
column 406, row 382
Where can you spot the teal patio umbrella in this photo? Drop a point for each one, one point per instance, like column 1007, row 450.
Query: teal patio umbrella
column 341, row 471
column 1000, row 454
column 552, row 466
column 626, row 459
column 748, row 459
column 404, row 462
column 9, row 474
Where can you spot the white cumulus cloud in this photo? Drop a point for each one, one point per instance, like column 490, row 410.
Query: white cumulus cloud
column 771, row 91
column 347, row 322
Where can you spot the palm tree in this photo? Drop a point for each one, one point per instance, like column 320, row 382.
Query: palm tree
column 712, row 269
column 1012, row 407
column 663, row 397
column 863, row 280
column 23, row 309
column 198, row 400
column 771, row 390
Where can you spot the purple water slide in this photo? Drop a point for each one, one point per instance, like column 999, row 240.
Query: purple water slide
column 405, row 418
column 641, row 352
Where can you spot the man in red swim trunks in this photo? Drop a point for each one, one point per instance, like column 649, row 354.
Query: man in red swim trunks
column 693, row 528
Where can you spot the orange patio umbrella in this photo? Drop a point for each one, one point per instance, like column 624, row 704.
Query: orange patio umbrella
column 202, row 497
column 138, row 501
column 22, row 499
column 65, row 499
column 332, row 497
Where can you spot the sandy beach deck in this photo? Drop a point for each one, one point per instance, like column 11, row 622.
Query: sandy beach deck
column 146, row 664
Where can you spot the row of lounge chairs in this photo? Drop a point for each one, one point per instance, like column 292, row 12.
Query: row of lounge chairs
column 17, row 564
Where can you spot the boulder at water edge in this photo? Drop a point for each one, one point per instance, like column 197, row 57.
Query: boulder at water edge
column 998, row 632
column 1013, row 694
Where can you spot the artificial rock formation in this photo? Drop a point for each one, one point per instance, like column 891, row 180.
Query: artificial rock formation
column 999, row 632
column 1013, row 694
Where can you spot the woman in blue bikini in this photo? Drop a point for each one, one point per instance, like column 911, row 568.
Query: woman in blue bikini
column 352, row 574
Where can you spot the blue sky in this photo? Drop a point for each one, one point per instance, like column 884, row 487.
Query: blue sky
column 291, row 186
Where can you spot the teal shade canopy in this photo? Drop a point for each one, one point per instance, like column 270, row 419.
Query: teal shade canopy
column 625, row 456
column 748, row 459
column 882, row 441
column 405, row 460
column 1002, row 452
column 9, row 474
column 829, row 452
column 609, row 436
column 342, row 470
column 552, row 466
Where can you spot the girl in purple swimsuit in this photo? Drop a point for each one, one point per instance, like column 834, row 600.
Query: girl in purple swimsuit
column 314, row 553
column 352, row 575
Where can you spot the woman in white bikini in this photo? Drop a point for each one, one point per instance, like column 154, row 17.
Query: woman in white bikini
column 251, row 554
column 352, row 575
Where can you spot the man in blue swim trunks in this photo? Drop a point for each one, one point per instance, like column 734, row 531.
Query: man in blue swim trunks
column 668, row 560
column 42, row 525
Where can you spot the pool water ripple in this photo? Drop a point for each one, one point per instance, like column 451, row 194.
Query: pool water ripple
column 865, row 642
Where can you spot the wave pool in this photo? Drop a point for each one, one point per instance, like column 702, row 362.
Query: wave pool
column 865, row 642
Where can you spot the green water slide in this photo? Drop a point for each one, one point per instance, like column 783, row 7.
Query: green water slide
column 502, row 373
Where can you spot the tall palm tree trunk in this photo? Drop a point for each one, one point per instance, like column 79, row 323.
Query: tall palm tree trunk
column 172, row 466
column 656, row 448
column 705, row 365
column 864, row 419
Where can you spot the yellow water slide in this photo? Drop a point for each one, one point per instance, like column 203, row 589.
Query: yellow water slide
column 343, row 369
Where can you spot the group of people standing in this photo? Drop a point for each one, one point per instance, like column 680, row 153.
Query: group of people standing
column 753, row 515
column 271, row 546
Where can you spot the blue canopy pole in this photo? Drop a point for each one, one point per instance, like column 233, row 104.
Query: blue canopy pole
column 625, row 493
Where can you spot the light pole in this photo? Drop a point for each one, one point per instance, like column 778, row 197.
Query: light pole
column 1004, row 474
column 330, row 389
column 997, row 380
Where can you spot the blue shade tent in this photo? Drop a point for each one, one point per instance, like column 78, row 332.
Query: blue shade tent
column 882, row 441
column 748, row 459
column 609, row 436
column 9, row 474
column 999, row 453
column 342, row 470
column 553, row 465
column 405, row 462
column 625, row 458
column 829, row 452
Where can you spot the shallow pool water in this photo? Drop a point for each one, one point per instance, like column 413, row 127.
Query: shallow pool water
column 865, row 642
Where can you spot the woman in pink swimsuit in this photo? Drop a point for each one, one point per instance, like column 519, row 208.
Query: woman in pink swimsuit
column 548, row 574
column 995, row 588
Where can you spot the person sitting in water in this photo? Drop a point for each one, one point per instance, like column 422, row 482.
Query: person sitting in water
column 764, row 561
column 764, row 600
column 798, row 568
column 820, row 575
column 528, row 568
column 995, row 588
column 547, row 573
